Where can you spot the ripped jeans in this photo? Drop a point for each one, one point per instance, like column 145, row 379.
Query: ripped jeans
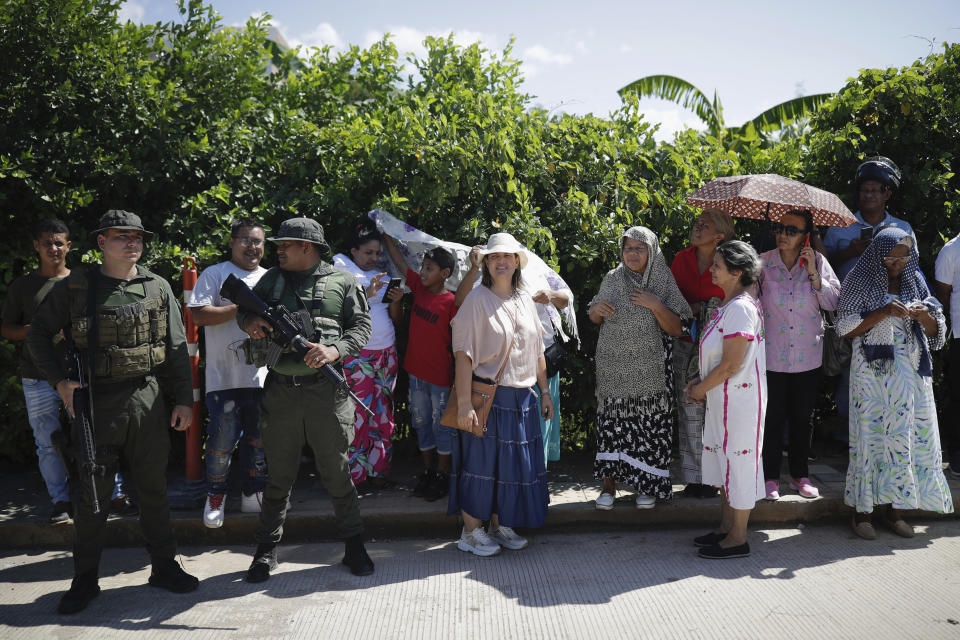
column 234, row 418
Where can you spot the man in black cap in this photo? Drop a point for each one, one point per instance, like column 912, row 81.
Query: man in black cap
column 127, row 324
column 300, row 405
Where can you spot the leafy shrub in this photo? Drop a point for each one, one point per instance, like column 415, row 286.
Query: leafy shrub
column 192, row 125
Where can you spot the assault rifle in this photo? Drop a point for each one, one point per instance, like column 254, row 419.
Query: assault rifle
column 286, row 329
column 86, row 450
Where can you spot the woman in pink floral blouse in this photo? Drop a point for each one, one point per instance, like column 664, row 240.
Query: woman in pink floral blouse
column 796, row 283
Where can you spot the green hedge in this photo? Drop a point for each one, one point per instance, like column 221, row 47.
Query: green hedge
column 186, row 124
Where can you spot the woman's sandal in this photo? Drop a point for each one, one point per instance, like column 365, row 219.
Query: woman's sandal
column 864, row 529
column 899, row 527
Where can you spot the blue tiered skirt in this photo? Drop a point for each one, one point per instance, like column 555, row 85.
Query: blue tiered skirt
column 503, row 471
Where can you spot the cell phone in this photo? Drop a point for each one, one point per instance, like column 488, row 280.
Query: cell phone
column 866, row 233
column 394, row 284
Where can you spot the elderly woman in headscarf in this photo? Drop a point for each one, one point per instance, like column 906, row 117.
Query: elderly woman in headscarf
column 639, row 308
column 895, row 458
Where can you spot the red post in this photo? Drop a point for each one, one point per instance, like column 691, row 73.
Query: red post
column 194, row 463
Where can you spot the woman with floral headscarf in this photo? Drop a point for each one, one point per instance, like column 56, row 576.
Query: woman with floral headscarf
column 895, row 459
column 639, row 307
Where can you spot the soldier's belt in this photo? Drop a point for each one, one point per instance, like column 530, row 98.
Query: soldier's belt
column 294, row 381
column 112, row 382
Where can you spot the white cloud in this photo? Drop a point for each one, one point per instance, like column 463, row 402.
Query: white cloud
column 671, row 120
column 132, row 11
column 321, row 35
column 410, row 39
column 581, row 47
column 625, row 48
column 541, row 55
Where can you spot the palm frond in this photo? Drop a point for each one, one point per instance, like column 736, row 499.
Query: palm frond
column 788, row 112
column 680, row 91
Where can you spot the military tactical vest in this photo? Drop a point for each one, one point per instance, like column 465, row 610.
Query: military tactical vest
column 131, row 338
column 317, row 326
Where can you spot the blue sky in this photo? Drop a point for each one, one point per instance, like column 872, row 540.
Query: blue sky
column 577, row 54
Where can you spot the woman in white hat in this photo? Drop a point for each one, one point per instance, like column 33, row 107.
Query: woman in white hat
column 500, row 476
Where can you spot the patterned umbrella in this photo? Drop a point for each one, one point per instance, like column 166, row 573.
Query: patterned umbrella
column 767, row 196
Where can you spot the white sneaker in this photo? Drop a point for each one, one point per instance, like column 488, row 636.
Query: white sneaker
column 646, row 502
column 478, row 543
column 604, row 501
column 507, row 537
column 214, row 510
column 252, row 503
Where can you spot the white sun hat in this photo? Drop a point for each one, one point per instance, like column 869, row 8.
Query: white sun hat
column 505, row 243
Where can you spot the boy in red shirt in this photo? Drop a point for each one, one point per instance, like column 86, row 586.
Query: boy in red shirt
column 429, row 363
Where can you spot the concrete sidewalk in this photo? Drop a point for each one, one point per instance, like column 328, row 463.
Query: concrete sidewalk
column 392, row 512
column 814, row 581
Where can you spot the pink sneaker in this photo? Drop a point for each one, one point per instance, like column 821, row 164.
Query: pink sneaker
column 804, row 487
column 773, row 489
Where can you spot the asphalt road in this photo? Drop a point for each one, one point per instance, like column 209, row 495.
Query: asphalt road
column 811, row 582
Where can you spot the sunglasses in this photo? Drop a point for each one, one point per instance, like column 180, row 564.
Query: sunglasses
column 788, row 229
column 892, row 260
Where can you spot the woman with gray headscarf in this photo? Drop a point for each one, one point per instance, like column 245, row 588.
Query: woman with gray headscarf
column 895, row 458
column 639, row 308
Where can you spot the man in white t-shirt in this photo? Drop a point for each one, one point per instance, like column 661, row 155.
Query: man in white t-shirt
column 234, row 388
column 946, row 283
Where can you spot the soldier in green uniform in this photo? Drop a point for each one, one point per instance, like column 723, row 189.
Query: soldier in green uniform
column 131, row 319
column 300, row 405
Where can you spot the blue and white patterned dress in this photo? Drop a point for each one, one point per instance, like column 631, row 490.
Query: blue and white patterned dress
column 895, row 453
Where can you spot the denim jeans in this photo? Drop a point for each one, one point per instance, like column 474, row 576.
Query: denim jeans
column 234, row 414
column 427, row 402
column 43, row 413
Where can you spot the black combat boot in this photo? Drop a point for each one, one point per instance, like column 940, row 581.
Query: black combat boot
column 83, row 590
column 168, row 574
column 356, row 558
column 264, row 561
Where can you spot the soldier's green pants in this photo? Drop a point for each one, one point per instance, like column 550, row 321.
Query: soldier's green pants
column 130, row 420
column 322, row 417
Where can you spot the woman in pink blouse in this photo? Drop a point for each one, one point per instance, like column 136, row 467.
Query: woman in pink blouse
column 796, row 283
column 499, row 476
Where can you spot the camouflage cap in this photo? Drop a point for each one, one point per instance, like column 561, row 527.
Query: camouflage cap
column 303, row 230
column 120, row 219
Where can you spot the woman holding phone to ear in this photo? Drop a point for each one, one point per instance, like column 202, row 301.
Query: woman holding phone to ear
column 796, row 283
column 372, row 374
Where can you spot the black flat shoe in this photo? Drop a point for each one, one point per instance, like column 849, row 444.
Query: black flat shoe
column 716, row 552
column 709, row 539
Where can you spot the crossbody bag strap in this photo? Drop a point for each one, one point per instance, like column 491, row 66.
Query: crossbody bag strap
column 505, row 360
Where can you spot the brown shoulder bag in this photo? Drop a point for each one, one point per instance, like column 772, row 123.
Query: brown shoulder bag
column 481, row 397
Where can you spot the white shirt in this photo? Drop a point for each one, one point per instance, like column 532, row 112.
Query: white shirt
column 382, row 335
column 947, row 271
column 226, row 367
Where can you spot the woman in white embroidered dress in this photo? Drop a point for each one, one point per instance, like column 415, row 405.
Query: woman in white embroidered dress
column 734, row 386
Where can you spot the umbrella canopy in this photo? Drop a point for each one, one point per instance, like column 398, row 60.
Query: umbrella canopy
column 767, row 196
